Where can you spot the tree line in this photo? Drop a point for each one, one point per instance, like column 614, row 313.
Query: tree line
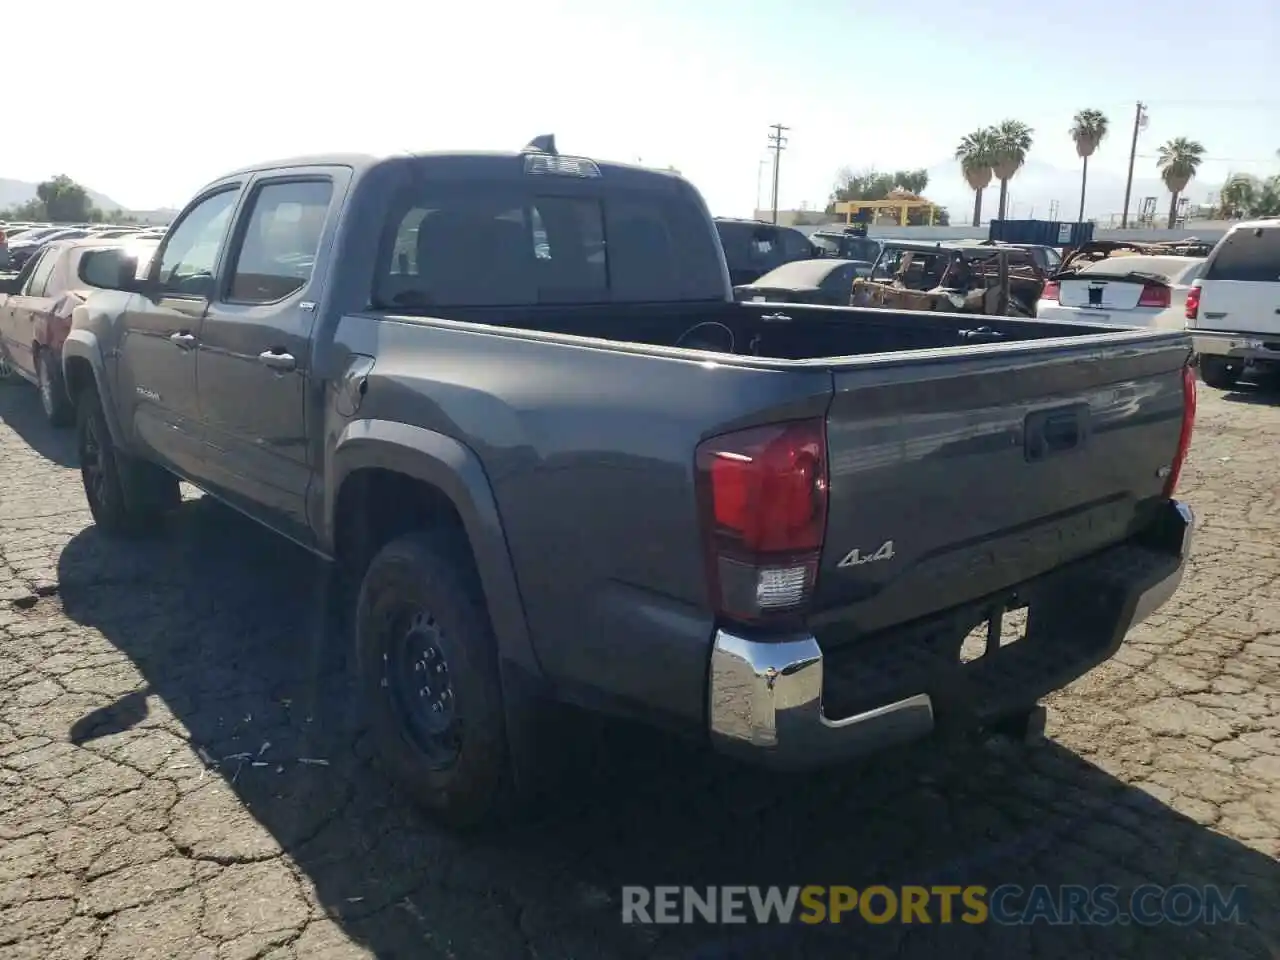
column 999, row 152
column 871, row 185
column 1245, row 196
column 61, row 200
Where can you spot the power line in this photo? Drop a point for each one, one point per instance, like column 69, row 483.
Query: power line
column 1252, row 104
column 1271, row 159
column 777, row 143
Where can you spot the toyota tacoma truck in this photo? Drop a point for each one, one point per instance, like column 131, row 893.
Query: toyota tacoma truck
column 512, row 396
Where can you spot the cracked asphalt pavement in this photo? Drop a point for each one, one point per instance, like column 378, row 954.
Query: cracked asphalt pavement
column 182, row 772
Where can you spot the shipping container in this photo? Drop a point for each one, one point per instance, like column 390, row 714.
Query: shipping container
column 1048, row 233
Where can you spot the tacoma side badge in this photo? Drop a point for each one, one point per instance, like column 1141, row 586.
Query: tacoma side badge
column 854, row 557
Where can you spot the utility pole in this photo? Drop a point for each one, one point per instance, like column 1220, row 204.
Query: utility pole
column 760, row 186
column 777, row 143
column 1139, row 122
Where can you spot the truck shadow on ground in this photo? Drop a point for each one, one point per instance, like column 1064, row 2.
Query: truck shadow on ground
column 232, row 632
column 20, row 409
column 1262, row 390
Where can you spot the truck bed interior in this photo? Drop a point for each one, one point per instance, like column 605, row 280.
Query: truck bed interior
column 777, row 331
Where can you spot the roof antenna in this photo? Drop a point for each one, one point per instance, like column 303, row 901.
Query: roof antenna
column 542, row 144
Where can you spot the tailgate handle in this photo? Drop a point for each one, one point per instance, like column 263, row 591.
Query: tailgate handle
column 1049, row 432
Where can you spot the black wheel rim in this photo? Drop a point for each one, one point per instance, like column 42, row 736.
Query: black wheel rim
column 417, row 677
column 93, row 467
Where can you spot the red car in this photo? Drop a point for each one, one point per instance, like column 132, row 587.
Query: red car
column 36, row 313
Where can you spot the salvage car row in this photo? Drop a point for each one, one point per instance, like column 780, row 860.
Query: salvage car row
column 1227, row 295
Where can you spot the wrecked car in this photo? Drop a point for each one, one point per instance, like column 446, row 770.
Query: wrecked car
column 953, row 278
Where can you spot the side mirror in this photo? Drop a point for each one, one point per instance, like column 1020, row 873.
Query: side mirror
column 127, row 278
column 110, row 270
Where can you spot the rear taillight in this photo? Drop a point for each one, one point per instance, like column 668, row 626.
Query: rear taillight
column 1154, row 295
column 1193, row 303
column 1052, row 290
column 1188, row 424
column 763, row 499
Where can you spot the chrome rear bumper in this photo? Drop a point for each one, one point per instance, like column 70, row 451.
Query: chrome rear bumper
column 1242, row 346
column 766, row 698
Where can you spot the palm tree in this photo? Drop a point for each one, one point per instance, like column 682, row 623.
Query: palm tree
column 1013, row 142
column 977, row 153
column 1248, row 197
column 1088, row 130
column 1178, row 160
column 1239, row 196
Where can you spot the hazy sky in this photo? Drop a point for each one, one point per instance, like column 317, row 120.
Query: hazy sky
column 200, row 88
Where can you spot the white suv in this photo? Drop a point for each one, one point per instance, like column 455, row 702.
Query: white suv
column 1233, row 310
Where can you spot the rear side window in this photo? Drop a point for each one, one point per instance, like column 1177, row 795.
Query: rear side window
column 472, row 246
column 1247, row 255
column 277, row 250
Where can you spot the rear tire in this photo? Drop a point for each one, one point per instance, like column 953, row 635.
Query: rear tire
column 127, row 496
column 1219, row 372
column 429, row 675
column 53, row 391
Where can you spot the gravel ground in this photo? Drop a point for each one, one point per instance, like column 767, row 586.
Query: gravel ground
column 181, row 773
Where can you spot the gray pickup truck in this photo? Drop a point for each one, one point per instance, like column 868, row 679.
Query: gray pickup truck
column 513, row 397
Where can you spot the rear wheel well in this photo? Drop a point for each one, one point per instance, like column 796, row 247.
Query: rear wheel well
column 375, row 506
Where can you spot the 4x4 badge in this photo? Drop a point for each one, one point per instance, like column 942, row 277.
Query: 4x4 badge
column 855, row 558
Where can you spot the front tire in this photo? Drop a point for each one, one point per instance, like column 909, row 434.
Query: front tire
column 127, row 496
column 53, row 391
column 429, row 674
column 1219, row 372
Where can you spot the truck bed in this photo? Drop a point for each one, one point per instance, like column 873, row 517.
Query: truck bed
column 983, row 459
column 782, row 331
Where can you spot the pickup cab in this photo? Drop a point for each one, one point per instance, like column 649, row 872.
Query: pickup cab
column 512, row 396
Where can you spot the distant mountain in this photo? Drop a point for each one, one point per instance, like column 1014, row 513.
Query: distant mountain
column 1037, row 184
column 16, row 192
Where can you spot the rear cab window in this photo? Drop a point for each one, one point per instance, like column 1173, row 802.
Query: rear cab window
column 1250, row 255
column 829, row 246
column 473, row 244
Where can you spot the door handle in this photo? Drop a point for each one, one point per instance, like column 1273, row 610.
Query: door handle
column 277, row 361
column 184, row 340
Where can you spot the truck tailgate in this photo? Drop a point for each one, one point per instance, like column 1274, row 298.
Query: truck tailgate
column 952, row 478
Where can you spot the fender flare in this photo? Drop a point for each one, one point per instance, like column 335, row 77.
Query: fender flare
column 83, row 345
column 456, row 471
